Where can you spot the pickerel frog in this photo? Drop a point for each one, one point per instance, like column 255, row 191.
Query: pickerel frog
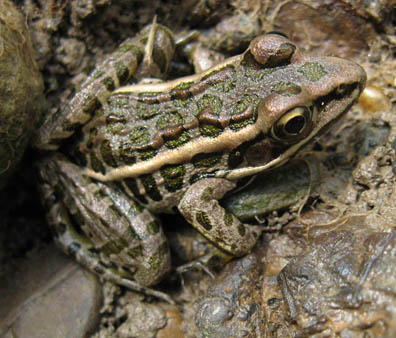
column 117, row 154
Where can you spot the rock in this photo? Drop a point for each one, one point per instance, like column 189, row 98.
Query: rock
column 48, row 295
column 21, row 89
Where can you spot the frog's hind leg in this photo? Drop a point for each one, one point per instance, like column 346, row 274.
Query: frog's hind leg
column 126, row 62
column 103, row 228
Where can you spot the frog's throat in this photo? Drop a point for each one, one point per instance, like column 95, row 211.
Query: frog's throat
column 239, row 173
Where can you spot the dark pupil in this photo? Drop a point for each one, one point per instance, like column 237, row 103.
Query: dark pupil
column 295, row 125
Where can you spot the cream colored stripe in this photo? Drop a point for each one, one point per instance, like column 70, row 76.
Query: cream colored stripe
column 224, row 142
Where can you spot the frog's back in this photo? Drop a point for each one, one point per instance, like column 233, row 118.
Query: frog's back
column 186, row 120
column 172, row 138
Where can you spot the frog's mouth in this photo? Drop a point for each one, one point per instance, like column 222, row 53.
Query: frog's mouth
column 324, row 108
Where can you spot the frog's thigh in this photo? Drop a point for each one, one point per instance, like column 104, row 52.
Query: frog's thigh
column 201, row 208
column 102, row 227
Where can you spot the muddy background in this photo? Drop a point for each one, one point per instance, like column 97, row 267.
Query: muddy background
column 337, row 239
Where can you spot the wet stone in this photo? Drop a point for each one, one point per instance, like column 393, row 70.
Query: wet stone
column 21, row 95
column 343, row 282
column 232, row 307
column 48, row 295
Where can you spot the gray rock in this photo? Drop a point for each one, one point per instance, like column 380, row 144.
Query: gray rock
column 48, row 295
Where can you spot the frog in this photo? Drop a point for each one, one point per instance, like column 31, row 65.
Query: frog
column 132, row 144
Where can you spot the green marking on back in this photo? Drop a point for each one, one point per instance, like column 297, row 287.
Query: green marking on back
column 189, row 104
column 206, row 160
column 145, row 155
column 286, row 88
column 179, row 141
column 312, row 71
column 169, row 119
column 225, row 86
column 150, row 186
column 239, row 121
column 182, row 85
column 139, row 136
column 210, row 101
column 171, row 122
column 173, row 176
column 125, row 154
column 146, row 111
column 209, row 130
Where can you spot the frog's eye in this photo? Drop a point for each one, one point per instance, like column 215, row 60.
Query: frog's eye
column 293, row 125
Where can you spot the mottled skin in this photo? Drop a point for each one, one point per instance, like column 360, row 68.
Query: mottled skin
column 178, row 146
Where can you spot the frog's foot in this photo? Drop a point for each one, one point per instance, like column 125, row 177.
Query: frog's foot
column 196, row 265
column 84, row 253
column 201, row 208
column 103, row 228
column 213, row 259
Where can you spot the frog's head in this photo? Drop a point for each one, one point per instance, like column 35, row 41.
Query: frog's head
column 308, row 93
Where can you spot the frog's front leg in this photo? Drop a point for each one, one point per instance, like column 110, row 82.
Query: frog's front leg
column 103, row 228
column 201, row 208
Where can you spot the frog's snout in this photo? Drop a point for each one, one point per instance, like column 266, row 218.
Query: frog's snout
column 348, row 72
